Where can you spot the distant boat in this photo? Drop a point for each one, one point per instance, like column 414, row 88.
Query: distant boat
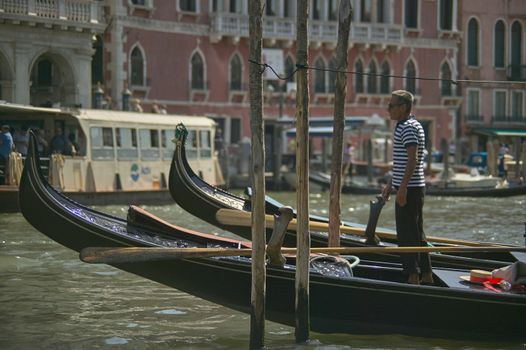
column 324, row 181
column 123, row 157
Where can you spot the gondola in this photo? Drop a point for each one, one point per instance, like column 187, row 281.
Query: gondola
column 362, row 300
column 203, row 200
column 324, row 181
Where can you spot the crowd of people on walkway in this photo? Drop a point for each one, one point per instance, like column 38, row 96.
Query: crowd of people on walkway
column 17, row 140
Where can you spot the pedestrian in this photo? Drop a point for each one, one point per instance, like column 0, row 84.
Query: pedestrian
column 6, row 146
column 42, row 144
column 59, row 143
column 409, row 183
column 21, row 140
column 348, row 151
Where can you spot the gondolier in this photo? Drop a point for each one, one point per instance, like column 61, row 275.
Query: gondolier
column 408, row 180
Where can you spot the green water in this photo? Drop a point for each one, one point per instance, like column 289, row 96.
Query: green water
column 49, row 299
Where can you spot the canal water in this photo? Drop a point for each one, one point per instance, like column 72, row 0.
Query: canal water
column 49, row 299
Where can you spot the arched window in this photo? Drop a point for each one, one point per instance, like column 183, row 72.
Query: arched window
column 516, row 50
column 411, row 13
column 319, row 78
column 289, row 69
column 358, row 76
column 384, row 79
column 198, row 74
column 137, row 67
column 332, row 75
column 410, row 72
column 499, row 41
column 372, row 78
column 473, row 43
column 445, row 84
column 446, row 14
column 235, row 73
column 44, row 72
column 97, row 61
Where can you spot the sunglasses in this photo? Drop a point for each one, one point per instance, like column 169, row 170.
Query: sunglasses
column 391, row 105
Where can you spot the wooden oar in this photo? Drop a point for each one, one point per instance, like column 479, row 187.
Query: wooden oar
column 141, row 254
column 242, row 218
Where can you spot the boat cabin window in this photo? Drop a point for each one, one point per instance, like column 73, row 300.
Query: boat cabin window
column 101, row 143
column 126, row 139
column 149, row 141
column 191, row 144
column 205, row 144
column 166, row 142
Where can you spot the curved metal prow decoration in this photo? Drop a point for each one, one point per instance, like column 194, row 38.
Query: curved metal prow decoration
column 374, row 214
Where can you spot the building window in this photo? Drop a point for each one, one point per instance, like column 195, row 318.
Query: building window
column 473, row 43
column 358, row 76
column 44, row 72
column 384, row 79
column 289, row 69
column 235, row 73
column 333, row 10
column 372, row 78
column 500, row 105
column 446, row 14
column 198, row 74
column 289, row 8
column 473, row 105
column 381, row 13
column 411, row 14
column 234, row 6
column 516, row 50
column 188, row 5
column 97, row 61
column 138, row 2
column 410, row 73
column 499, row 41
column 319, row 78
column 445, row 83
column 366, row 10
column 269, row 8
column 517, row 109
column 317, row 9
column 137, row 67
column 332, row 75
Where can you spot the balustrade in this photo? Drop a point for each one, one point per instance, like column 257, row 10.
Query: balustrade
column 80, row 11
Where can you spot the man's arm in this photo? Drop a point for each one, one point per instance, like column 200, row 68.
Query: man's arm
column 401, row 194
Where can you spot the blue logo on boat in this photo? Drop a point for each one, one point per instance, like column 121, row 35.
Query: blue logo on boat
column 134, row 172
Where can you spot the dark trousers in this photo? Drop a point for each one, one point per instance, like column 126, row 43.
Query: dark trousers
column 410, row 231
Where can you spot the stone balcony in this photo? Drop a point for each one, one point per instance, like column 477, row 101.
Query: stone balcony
column 76, row 15
column 320, row 32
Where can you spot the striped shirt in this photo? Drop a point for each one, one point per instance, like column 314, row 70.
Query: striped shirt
column 408, row 132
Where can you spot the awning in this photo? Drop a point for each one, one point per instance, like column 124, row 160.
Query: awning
column 501, row 132
column 315, row 131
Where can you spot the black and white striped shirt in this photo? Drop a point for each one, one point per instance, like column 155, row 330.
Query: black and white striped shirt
column 408, row 132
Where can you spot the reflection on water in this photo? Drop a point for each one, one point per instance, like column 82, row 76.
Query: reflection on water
column 49, row 299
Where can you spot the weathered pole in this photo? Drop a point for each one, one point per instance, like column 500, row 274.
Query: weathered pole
column 302, row 173
column 344, row 25
column 257, row 308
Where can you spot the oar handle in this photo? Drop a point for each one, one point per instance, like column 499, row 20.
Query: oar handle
column 145, row 254
column 243, row 218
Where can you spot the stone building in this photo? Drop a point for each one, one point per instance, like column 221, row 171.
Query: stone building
column 191, row 57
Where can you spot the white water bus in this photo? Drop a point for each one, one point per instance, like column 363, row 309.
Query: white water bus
column 122, row 157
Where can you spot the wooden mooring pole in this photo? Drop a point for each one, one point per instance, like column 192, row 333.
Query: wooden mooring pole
column 257, row 309
column 302, row 173
column 344, row 26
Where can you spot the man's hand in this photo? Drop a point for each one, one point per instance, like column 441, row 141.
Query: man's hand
column 386, row 192
column 401, row 196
